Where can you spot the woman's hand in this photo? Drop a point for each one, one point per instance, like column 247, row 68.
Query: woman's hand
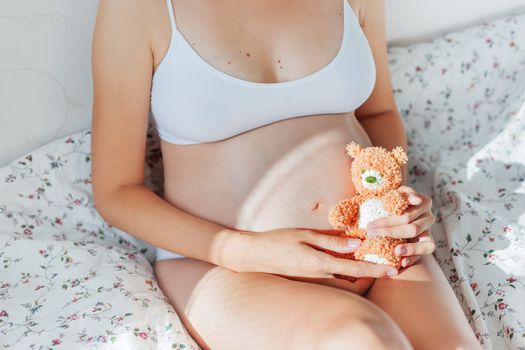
column 413, row 225
column 292, row 252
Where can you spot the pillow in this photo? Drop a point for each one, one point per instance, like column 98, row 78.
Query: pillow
column 67, row 276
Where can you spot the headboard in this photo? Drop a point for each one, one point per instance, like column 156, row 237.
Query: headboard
column 45, row 60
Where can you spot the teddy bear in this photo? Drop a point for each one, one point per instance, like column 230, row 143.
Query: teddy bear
column 377, row 175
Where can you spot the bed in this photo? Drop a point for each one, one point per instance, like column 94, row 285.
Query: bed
column 70, row 280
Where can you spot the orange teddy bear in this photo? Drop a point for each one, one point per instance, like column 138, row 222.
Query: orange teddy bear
column 377, row 175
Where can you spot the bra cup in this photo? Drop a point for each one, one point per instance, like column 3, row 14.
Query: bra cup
column 193, row 102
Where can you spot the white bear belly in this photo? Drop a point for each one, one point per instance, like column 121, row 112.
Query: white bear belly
column 370, row 210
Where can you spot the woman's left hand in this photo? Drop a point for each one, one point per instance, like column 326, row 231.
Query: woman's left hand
column 414, row 225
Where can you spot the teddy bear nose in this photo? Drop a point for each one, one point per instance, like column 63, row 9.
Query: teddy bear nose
column 371, row 179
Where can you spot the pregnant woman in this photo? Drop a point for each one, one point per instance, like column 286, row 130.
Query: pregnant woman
column 254, row 102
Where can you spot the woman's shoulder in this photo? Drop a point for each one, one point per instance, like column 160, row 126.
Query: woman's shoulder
column 362, row 7
column 125, row 22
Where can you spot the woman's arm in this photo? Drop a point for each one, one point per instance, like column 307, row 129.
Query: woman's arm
column 379, row 115
column 122, row 64
column 386, row 129
column 381, row 120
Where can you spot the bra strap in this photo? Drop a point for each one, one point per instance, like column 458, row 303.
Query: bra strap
column 172, row 15
column 350, row 11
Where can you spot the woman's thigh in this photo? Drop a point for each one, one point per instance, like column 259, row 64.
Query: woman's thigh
column 224, row 309
column 424, row 306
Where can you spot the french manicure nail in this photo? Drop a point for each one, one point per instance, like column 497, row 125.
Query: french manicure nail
column 401, row 251
column 353, row 243
column 415, row 198
column 392, row 272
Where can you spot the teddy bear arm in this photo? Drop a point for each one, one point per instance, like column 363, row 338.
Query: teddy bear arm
column 396, row 202
column 344, row 214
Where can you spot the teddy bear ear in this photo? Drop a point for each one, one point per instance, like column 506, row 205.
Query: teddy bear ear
column 399, row 155
column 353, row 149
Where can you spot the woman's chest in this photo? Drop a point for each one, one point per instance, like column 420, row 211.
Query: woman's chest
column 259, row 41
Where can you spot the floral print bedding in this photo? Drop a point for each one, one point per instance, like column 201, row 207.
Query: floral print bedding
column 69, row 280
column 462, row 98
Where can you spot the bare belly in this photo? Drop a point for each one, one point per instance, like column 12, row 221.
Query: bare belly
column 285, row 174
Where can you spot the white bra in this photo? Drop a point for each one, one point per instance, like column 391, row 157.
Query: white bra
column 194, row 102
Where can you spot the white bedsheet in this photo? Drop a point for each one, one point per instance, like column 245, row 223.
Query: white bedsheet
column 68, row 279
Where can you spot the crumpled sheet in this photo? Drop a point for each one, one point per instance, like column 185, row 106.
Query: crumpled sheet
column 462, row 98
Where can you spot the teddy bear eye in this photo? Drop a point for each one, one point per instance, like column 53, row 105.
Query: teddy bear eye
column 381, row 174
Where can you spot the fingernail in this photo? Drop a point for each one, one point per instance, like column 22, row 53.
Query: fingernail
column 415, row 197
column 401, row 250
column 392, row 272
column 353, row 243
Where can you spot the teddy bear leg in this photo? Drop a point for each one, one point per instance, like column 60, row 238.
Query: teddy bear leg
column 380, row 250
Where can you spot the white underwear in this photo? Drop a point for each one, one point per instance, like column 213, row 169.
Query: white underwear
column 166, row 254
